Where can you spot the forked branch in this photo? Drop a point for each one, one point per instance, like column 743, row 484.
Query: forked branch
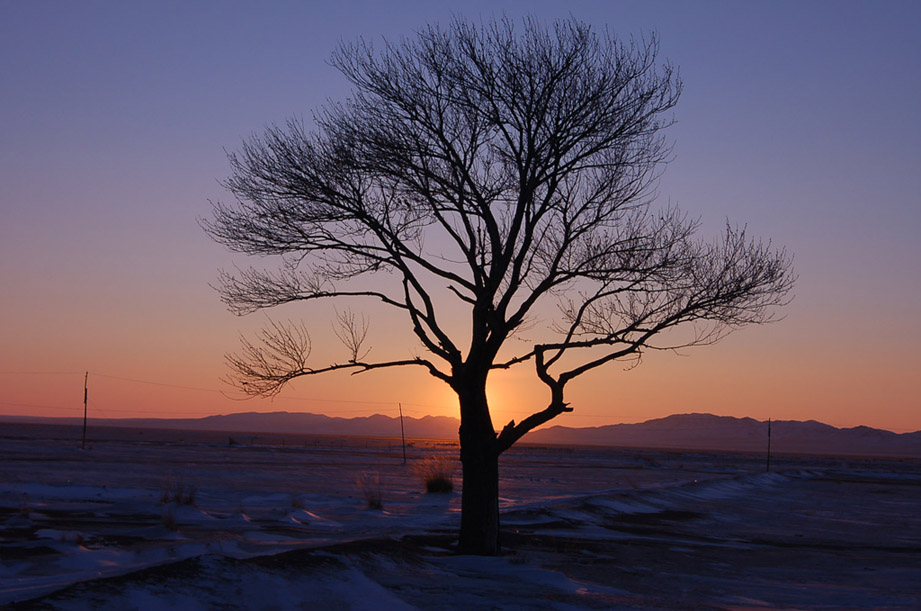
column 280, row 355
column 352, row 332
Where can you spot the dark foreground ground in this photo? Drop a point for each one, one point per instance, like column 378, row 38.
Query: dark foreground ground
column 583, row 528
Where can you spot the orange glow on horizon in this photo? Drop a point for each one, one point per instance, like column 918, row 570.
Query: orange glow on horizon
column 728, row 379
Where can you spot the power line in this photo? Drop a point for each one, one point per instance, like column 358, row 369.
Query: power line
column 34, row 406
column 221, row 392
column 136, row 381
column 318, row 401
column 42, row 373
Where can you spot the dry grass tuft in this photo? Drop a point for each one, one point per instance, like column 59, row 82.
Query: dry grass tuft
column 168, row 518
column 174, row 490
column 370, row 486
column 437, row 473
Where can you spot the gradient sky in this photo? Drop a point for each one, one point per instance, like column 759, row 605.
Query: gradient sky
column 798, row 118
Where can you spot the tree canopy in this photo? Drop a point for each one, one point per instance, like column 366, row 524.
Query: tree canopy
column 496, row 168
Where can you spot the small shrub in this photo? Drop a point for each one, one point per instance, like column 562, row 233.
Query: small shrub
column 71, row 537
column 24, row 508
column 174, row 490
column 370, row 486
column 297, row 503
column 169, row 518
column 437, row 473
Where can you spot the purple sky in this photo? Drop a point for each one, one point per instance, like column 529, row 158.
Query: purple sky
column 798, row 118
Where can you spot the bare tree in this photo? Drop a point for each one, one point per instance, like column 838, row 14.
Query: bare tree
column 495, row 168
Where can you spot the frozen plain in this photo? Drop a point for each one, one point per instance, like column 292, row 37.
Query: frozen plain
column 279, row 523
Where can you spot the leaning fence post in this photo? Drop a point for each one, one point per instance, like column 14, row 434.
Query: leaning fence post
column 402, row 433
column 768, row 470
column 85, row 378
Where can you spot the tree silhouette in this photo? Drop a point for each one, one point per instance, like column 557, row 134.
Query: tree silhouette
column 493, row 168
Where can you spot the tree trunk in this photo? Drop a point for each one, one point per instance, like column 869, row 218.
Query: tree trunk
column 479, row 532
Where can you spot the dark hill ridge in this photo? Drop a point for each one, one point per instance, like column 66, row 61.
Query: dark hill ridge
column 683, row 431
column 709, row 432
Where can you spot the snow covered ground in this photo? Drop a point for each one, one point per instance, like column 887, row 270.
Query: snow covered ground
column 158, row 519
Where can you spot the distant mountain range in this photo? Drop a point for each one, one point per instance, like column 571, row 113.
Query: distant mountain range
column 709, row 432
column 684, row 431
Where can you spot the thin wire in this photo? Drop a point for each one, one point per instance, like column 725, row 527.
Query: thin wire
column 311, row 399
column 32, row 405
column 314, row 400
column 42, row 373
column 136, row 381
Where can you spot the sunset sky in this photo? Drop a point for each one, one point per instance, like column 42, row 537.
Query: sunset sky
column 800, row 119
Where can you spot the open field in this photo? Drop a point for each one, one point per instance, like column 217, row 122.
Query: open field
column 150, row 519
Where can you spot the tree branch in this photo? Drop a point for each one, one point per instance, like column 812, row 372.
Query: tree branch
column 264, row 368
